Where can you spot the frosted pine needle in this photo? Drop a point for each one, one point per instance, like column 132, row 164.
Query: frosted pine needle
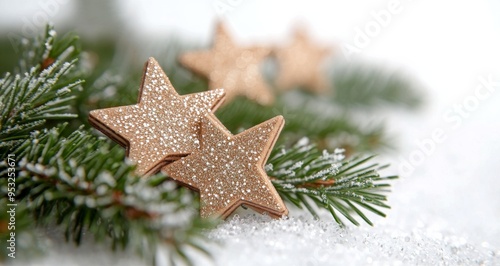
column 304, row 175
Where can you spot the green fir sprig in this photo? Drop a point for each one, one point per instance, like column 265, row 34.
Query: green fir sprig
column 327, row 131
column 368, row 86
column 303, row 175
column 40, row 91
column 82, row 183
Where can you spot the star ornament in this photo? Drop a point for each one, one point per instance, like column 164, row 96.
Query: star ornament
column 300, row 64
column 163, row 126
column 234, row 68
column 228, row 170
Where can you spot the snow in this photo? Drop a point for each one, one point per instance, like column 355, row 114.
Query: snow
column 301, row 241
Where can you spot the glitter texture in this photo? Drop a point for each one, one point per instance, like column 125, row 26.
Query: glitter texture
column 229, row 170
column 300, row 64
column 231, row 67
column 162, row 127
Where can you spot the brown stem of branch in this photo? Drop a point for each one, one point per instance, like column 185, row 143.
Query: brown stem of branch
column 315, row 184
column 318, row 183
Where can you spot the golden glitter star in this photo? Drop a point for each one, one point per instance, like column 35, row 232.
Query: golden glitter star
column 300, row 64
column 234, row 68
column 163, row 125
column 228, row 170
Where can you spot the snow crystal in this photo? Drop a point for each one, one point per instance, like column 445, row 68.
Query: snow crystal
column 101, row 190
column 303, row 141
column 52, row 33
column 106, row 178
column 79, row 200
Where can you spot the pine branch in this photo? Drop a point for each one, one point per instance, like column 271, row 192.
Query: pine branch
column 39, row 93
column 303, row 175
column 46, row 49
column 365, row 86
column 328, row 131
column 81, row 183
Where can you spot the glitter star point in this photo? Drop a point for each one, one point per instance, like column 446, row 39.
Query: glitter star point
column 234, row 68
column 300, row 64
column 228, row 170
column 163, row 126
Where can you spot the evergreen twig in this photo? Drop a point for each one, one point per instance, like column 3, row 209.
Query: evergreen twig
column 42, row 91
column 82, row 183
column 325, row 130
column 366, row 86
column 303, row 175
